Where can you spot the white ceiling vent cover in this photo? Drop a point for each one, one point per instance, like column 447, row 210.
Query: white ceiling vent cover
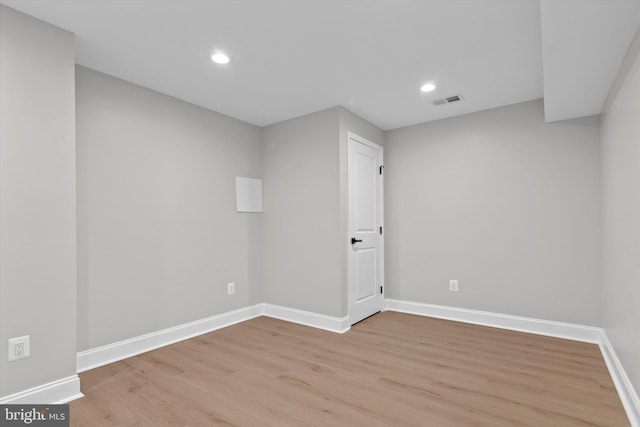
column 447, row 100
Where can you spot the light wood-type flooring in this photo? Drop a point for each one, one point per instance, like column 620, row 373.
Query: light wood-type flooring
column 390, row 369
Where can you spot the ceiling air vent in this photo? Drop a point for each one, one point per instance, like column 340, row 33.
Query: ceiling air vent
column 447, row 100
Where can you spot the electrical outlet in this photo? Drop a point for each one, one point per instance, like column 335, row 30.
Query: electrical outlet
column 19, row 348
column 231, row 288
column 453, row 285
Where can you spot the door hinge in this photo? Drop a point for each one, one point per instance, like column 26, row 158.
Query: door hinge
column 381, row 167
column 380, row 229
column 380, row 289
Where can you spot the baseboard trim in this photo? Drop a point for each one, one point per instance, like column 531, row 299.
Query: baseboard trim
column 68, row 389
column 114, row 352
column 110, row 353
column 625, row 389
column 321, row 321
column 55, row 392
column 550, row 328
column 571, row 331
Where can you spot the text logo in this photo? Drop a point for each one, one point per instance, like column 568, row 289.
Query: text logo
column 34, row 415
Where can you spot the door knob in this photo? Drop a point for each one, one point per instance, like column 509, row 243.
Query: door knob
column 354, row 240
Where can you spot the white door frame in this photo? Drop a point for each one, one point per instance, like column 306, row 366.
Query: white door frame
column 350, row 272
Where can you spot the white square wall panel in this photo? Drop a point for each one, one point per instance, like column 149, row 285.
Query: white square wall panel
column 248, row 194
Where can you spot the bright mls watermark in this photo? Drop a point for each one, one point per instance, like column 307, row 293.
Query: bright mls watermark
column 34, row 415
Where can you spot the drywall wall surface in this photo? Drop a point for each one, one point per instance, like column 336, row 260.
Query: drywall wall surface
column 626, row 66
column 159, row 237
column 350, row 122
column 37, row 200
column 502, row 202
column 620, row 135
column 301, row 189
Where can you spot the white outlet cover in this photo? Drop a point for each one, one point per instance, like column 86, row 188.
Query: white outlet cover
column 231, row 288
column 13, row 342
column 453, row 285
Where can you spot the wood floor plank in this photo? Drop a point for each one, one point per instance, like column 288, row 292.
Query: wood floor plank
column 392, row 369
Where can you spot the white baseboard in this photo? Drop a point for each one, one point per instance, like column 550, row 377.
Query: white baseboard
column 550, row 328
column 571, row 331
column 56, row 392
column 308, row 318
column 68, row 389
column 625, row 389
column 114, row 352
column 110, row 353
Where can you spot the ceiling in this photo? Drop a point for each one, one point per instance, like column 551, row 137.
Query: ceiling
column 289, row 58
column 583, row 45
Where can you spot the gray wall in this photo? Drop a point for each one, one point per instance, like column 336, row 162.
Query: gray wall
column 302, row 242
column 305, row 218
column 301, row 255
column 620, row 135
column 37, row 200
column 158, row 232
column 502, row 202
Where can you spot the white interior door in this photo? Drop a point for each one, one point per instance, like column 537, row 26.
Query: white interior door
column 365, row 253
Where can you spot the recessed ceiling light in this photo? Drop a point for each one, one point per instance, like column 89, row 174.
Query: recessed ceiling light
column 428, row 87
column 220, row 58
